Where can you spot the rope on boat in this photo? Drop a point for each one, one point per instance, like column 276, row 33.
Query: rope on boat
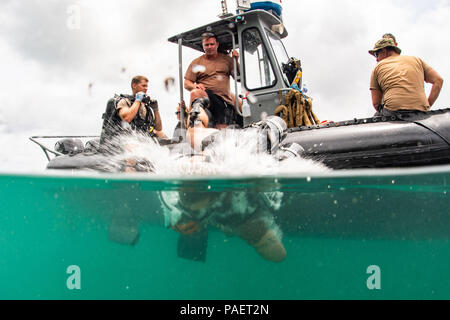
column 296, row 110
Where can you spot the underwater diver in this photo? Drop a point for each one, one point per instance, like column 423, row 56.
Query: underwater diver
column 247, row 215
column 244, row 214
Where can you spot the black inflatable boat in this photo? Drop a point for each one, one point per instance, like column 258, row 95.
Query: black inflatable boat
column 413, row 139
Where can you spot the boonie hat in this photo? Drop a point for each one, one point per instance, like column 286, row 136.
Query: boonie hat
column 384, row 43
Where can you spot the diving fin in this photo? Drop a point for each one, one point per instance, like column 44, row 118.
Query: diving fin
column 123, row 230
column 193, row 247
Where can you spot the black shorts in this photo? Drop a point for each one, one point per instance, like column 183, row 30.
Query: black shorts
column 222, row 112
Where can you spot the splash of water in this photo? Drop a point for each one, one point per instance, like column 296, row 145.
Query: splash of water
column 233, row 153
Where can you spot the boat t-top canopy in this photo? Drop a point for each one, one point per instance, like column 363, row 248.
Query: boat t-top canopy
column 222, row 28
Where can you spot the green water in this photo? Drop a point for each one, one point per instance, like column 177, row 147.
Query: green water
column 335, row 227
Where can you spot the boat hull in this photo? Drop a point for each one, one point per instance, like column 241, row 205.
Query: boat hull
column 421, row 139
column 416, row 139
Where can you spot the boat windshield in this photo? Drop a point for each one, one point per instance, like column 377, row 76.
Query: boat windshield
column 279, row 50
column 258, row 67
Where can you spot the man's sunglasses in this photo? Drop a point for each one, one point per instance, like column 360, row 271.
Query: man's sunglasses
column 377, row 53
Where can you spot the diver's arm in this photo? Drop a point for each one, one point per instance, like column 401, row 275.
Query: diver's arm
column 187, row 228
column 377, row 98
column 128, row 113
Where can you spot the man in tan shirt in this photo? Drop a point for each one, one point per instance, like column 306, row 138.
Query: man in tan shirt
column 209, row 76
column 400, row 80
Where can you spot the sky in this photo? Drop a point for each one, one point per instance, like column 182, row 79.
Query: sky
column 61, row 60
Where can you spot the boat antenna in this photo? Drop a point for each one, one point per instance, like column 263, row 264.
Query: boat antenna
column 225, row 13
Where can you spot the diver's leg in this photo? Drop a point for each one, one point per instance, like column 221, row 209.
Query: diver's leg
column 270, row 247
column 123, row 227
column 263, row 238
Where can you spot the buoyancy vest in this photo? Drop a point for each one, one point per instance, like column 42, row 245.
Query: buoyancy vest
column 113, row 124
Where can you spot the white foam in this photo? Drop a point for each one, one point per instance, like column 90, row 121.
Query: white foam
column 233, row 154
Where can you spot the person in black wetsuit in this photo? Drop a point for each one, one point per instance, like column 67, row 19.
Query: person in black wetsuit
column 139, row 110
column 245, row 214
